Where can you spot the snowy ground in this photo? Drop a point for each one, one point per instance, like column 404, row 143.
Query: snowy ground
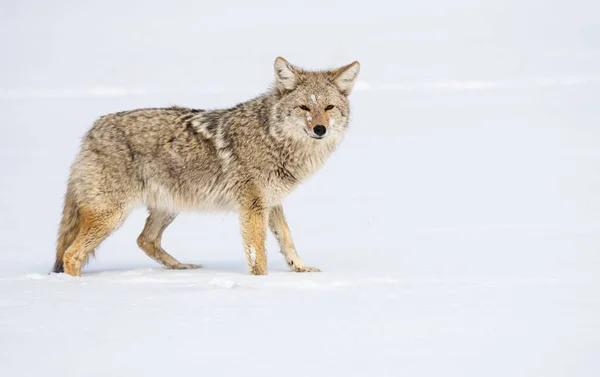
column 457, row 227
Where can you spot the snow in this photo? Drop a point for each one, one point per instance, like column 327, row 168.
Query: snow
column 457, row 226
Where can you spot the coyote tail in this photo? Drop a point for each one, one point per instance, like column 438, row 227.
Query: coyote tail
column 69, row 227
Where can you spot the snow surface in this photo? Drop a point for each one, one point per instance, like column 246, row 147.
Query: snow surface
column 457, row 227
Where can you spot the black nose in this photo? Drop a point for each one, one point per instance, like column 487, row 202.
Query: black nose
column 320, row 130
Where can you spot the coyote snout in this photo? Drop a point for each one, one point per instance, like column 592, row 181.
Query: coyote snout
column 246, row 158
column 320, row 130
column 317, row 117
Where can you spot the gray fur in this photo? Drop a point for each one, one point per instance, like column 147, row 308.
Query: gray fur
column 178, row 159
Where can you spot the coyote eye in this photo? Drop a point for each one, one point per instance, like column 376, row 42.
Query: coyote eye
column 304, row 108
column 329, row 107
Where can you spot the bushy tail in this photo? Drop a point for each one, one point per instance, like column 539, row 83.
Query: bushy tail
column 69, row 227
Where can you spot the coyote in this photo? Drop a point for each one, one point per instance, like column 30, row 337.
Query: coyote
column 246, row 158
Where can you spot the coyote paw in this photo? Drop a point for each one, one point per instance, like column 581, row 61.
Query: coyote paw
column 183, row 266
column 73, row 269
column 305, row 269
column 255, row 270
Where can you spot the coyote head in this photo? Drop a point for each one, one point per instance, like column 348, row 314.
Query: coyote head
column 313, row 105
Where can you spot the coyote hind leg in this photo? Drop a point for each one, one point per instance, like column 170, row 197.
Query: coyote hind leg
column 94, row 227
column 150, row 240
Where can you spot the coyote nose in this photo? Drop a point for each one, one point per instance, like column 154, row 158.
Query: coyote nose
column 320, row 130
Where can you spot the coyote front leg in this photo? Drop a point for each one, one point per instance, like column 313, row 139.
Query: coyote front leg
column 253, row 219
column 281, row 231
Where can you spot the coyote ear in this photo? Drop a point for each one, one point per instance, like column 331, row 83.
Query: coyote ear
column 285, row 74
column 344, row 77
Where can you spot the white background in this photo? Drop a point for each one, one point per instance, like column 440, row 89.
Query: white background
column 457, row 225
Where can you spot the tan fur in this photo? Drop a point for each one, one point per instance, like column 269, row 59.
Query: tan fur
column 253, row 219
column 150, row 240
column 279, row 227
column 69, row 227
column 94, row 227
column 247, row 158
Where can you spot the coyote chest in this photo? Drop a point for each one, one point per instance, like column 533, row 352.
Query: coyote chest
column 287, row 174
